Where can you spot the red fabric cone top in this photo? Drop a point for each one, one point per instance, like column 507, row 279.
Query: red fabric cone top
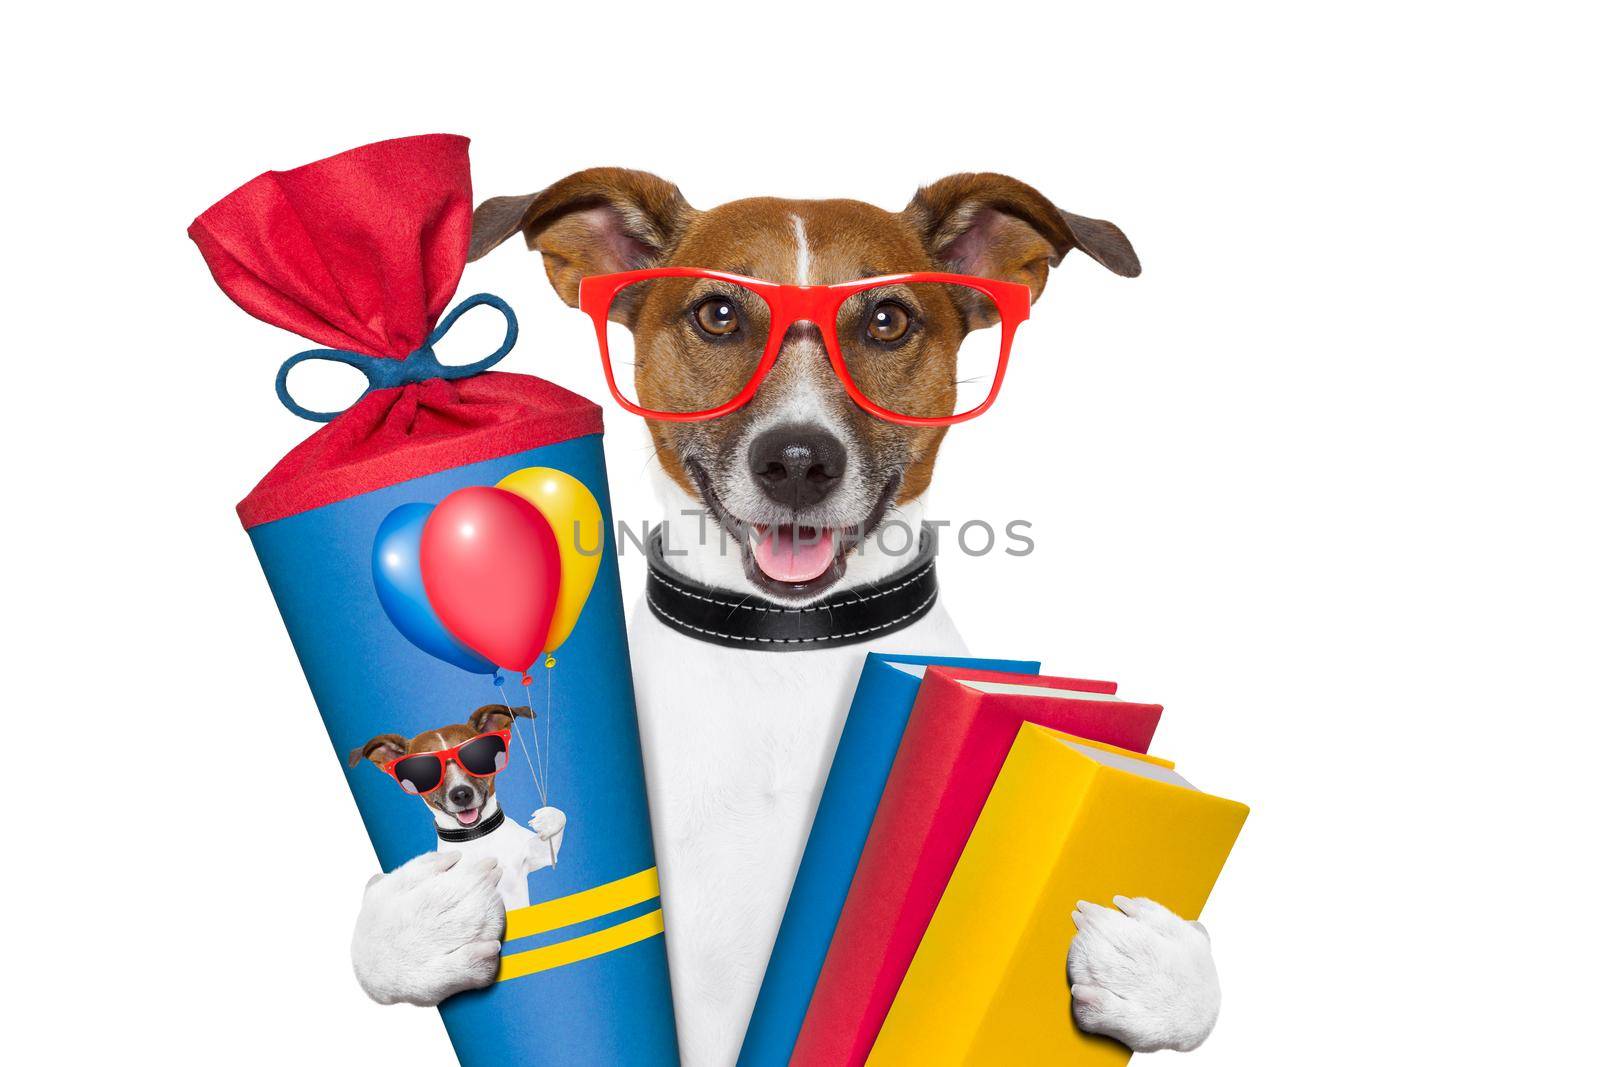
column 362, row 252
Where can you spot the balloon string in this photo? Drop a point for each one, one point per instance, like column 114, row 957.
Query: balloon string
column 544, row 800
column 549, row 723
column 549, row 738
column 537, row 784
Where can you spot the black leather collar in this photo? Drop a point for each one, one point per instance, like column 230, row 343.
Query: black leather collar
column 749, row 621
column 475, row 831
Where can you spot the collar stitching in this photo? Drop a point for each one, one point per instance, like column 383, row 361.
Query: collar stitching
column 789, row 611
column 792, row 640
column 471, row 833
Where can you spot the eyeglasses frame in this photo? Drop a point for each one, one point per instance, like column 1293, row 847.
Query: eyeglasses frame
column 818, row 305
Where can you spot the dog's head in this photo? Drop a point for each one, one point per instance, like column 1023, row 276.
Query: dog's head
column 800, row 465
column 460, row 799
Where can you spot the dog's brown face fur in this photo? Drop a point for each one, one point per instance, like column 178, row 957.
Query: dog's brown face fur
column 606, row 220
column 461, row 797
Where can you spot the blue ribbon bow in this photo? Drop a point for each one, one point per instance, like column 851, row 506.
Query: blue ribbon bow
column 419, row 366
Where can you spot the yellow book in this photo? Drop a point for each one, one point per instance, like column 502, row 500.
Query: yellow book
column 1066, row 821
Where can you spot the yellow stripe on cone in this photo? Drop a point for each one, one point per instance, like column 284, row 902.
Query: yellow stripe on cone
column 521, row 964
column 579, row 907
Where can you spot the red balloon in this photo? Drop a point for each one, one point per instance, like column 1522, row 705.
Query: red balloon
column 491, row 568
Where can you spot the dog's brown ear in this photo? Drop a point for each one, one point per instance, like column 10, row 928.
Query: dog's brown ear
column 597, row 221
column 380, row 749
column 997, row 227
column 495, row 717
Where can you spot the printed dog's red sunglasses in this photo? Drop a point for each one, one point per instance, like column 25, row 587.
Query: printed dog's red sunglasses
column 878, row 333
column 423, row 772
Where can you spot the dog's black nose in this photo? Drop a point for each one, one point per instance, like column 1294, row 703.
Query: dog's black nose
column 797, row 466
column 461, row 795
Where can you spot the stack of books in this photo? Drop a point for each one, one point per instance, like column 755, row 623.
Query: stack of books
column 968, row 810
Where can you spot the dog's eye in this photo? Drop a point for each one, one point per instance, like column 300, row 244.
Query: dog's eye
column 887, row 322
column 717, row 316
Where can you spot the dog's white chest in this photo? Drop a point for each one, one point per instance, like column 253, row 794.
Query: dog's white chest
column 737, row 746
column 510, row 845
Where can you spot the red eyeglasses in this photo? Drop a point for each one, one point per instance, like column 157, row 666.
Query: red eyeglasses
column 908, row 348
column 423, row 772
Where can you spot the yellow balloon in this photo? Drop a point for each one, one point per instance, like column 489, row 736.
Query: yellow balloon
column 574, row 515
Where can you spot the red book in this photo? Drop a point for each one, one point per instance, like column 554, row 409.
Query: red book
column 955, row 743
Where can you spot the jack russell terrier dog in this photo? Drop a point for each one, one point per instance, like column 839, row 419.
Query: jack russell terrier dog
column 739, row 716
column 453, row 769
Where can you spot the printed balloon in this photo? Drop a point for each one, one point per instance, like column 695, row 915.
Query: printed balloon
column 574, row 516
column 397, row 576
column 492, row 573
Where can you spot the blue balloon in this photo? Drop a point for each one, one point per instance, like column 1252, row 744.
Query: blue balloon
column 397, row 575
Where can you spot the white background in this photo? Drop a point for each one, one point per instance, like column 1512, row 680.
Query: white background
column 1322, row 481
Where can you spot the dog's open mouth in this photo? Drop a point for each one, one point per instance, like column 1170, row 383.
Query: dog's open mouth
column 467, row 816
column 793, row 554
column 793, row 560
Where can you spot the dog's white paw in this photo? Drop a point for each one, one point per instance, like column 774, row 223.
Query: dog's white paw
column 548, row 822
column 1142, row 976
column 429, row 929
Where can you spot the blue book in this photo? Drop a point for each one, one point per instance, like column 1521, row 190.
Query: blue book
column 867, row 746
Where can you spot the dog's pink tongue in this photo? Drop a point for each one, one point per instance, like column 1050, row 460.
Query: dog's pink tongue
column 793, row 553
column 468, row 817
